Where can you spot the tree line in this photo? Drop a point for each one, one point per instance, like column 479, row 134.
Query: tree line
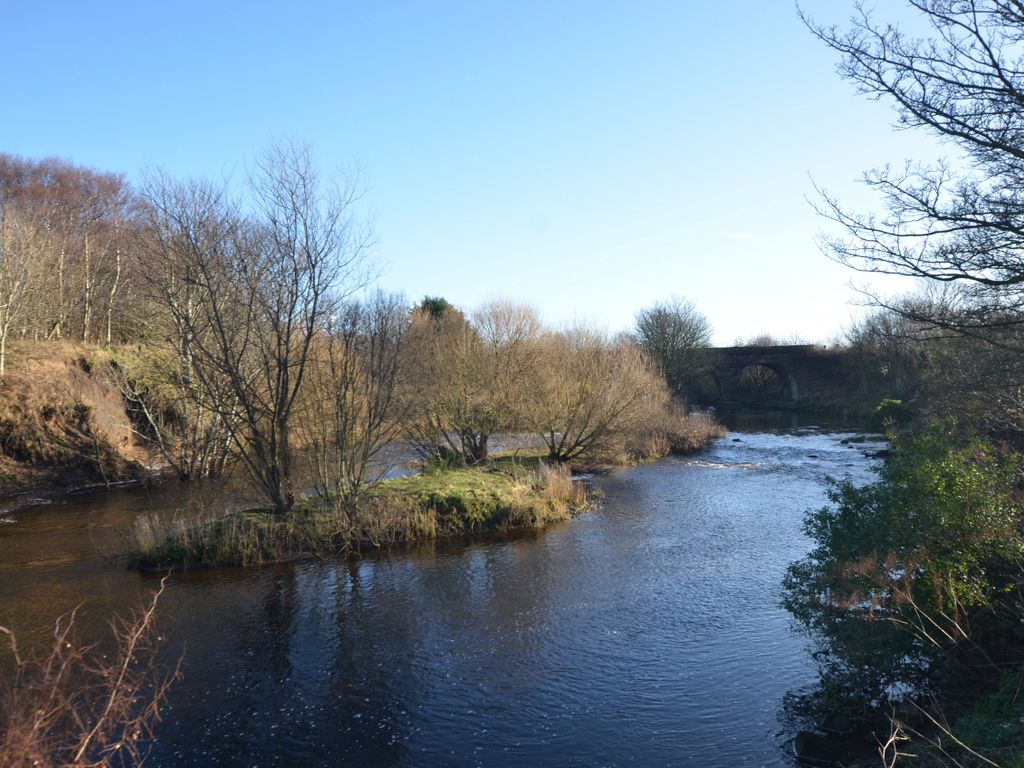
column 246, row 330
column 65, row 232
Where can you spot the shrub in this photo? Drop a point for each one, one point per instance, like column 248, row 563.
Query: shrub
column 672, row 431
column 888, row 414
column 913, row 578
column 73, row 706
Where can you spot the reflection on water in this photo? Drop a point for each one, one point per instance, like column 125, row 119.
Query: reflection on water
column 780, row 419
column 647, row 632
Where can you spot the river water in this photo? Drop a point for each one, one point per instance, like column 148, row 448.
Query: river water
column 646, row 632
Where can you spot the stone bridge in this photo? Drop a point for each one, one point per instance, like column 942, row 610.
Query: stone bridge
column 807, row 373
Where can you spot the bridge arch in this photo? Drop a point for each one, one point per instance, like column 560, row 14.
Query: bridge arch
column 787, row 381
column 709, row 387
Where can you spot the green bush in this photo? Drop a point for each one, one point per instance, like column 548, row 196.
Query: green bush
column 888, row 414
column 913, row 576
column 995, row 725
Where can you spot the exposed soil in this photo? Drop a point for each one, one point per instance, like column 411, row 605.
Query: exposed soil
column 63, row 424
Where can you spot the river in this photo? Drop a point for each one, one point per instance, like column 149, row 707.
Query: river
column 646, row 632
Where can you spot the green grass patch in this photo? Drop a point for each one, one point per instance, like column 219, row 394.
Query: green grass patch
column 519, row 459
column 477, row 499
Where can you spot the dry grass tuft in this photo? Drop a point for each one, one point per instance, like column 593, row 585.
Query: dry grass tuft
column 556, row 486
column 686, row 433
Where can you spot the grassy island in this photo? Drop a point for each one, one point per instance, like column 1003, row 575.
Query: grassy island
column 503, row 495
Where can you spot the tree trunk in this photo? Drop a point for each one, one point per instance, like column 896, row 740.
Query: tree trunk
column 87, row 295
column 113, row 290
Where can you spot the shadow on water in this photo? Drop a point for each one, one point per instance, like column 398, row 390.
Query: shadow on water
column 647, row 632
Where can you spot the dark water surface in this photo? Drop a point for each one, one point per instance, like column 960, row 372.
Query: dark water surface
column 646, row 632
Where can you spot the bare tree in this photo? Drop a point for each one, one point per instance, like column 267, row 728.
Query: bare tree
column 891, row 349
column 759, row 340
column 351, row 408
column 120, row 220
column 761, row 384
column 470, row 376
column 266, row 282
column 510, row 334
column 188, row 404
column 959, row 222
column 82, row 223
column 452, row 418
column 676, row 337
column 589, row 390
column 949, row 374
column 18, row 259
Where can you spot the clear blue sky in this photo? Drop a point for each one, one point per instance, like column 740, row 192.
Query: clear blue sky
column 587, row 157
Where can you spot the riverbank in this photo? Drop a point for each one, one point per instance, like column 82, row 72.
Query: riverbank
column 64, row 424
column 913, row 596
column 437, row 504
